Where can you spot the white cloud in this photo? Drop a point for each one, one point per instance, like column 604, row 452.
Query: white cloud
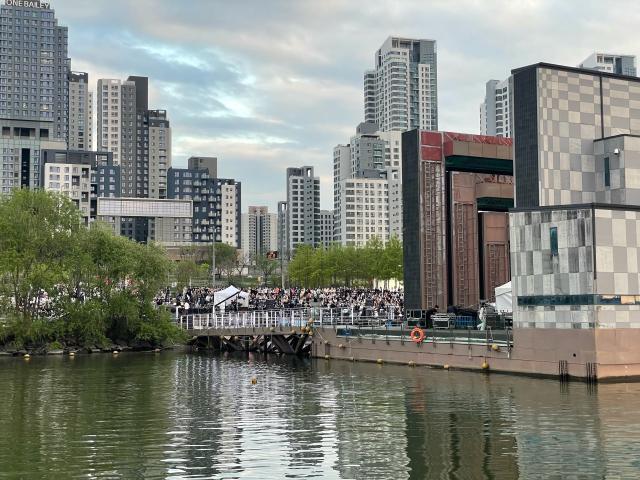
column 269, row 84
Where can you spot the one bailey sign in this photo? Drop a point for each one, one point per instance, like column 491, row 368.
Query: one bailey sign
column 28, row 4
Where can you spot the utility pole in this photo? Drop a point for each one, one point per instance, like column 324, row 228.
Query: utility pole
column 213, row 261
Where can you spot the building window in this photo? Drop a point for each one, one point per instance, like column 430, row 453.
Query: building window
column 553, row 232
column 607, row 172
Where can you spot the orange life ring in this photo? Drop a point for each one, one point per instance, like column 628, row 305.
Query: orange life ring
column 417, row 335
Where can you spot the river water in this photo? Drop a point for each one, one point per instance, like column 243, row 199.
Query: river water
column 174, row 415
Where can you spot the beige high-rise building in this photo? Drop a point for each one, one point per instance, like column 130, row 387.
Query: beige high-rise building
column 80, row 129
column 259, row 231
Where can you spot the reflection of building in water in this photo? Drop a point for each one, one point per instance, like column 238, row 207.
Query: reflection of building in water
column 558, row 431
column 206, row 431
column 460, row 430
column 370, row 422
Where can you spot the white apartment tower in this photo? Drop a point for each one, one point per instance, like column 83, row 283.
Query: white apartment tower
column 401, row 93
column 303, row 208
column 367, row 185
column 139, row 138
column 110, row 112
column 495, row 111
column 259, row 231
column 80, row 112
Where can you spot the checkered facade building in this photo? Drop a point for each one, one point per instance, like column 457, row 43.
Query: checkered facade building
column 576, row 228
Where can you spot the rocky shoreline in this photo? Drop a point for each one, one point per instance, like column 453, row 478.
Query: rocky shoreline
column 120, row 347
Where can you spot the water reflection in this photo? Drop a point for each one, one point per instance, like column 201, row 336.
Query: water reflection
column 199, row 416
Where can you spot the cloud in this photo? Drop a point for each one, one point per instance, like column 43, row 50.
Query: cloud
column 265, row 85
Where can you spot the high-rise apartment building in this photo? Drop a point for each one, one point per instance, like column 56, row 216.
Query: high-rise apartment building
column 303, row 207
column 611, row 63
column 152, row 166
column 34, row 66
column 112, row 111
column 367, row 184
column 495, row 111
column 80, row 112
column 139, row 138
column 401, row 93
column 33, row 91
column 259, row 232
column 216, row 204
column 325, row 228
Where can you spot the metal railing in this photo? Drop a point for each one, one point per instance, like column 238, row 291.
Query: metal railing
column 282, row 318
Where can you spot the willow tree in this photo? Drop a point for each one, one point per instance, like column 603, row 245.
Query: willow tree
column 37, row 232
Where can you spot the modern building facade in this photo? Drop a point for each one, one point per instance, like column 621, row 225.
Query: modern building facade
column 325, row 228
column 81, row 175
column 457, row 189
column 34, row 66
column 169, row 222
column 283, row 230
column 495, row 111
column 113, row 110
column 367, row 184
column 80, row 112
column 574, row 239
column 216, row 204
column 303, row 208
column 259, row 232
column 139, row 138
column 611, row 63
column 401, row 92
column 22, row 143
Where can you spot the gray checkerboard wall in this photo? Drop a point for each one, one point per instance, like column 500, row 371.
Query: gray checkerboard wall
column 571, row 117
column 536, row 272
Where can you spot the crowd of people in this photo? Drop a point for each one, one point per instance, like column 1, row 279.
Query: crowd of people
column 360, row 301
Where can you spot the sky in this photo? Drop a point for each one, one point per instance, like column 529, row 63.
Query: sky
column 270, row 84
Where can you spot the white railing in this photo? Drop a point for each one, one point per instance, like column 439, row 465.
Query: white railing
column 293, row 318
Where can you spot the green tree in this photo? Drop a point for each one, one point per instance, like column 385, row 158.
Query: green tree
column 100, row 285
column 265, row 267
column 38, row 230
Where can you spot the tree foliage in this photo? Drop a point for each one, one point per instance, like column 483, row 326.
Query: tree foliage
column 99, row 286
column 347, row 265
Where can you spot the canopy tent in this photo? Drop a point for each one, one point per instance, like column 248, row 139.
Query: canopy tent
column 504, row 301
column 226, row 296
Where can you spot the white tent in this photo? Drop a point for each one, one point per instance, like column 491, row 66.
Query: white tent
column 226, row 296
column 504, row 301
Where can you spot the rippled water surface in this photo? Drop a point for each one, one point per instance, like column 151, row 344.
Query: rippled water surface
column 174, row 415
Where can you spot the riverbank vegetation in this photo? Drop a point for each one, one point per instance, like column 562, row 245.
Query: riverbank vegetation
column 347, row 266
column 65, row 285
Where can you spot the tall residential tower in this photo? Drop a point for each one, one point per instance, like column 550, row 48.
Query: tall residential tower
column 401, row 93
column 80, row 112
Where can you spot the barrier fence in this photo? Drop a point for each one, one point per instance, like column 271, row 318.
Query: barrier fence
column 345, row 324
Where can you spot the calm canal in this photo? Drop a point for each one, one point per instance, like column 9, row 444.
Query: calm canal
column 175, row 415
